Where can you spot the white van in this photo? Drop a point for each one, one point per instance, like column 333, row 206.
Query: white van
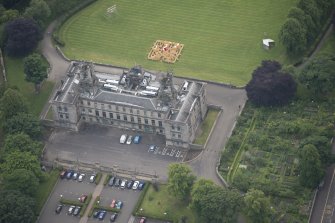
column 123, row 138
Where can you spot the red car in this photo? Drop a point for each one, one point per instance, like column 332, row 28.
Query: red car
column 62, row 174
column 113, row 204
column 83, row 198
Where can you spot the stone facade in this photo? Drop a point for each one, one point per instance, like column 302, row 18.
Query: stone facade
column 135, row 99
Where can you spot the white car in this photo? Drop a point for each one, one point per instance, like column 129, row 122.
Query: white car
column 129, row 140
column 71, row 209
column 123, row 138
column 75, row 176
column 92, row 178
column 81, row 177
column 135, row 185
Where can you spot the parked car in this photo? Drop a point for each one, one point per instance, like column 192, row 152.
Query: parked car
column 102, row 215
column 81, row 177
column 82, row 198
column 123, row 184
column 130, row 184
column 63, row 174
column 111, row 181
column 113, row 204
column 59, row 208
column 71, row 209
column 141, row 185
column 137, row 139
column 113, row 217
column 69, row 174
column 75, row 175
column 123, row 138
column 152, row 148
column 117, row 182
column 143, row 220
column 76, row 210
column 135, row 185
column 118, row 204
column 96, row 214
column 92, row 178
column 129, row 140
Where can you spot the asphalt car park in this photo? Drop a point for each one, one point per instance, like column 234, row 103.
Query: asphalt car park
column 68, row 189
column 98, row 144
column 128, row 197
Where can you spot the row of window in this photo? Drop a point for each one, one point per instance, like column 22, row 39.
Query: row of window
column 123, row 108
column 62, row 109
column 63, row 116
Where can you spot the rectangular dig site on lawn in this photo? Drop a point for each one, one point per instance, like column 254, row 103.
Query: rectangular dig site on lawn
column 264, row 153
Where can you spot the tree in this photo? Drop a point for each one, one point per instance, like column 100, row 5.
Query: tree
column 310, row 8
column 270, row 86
column 8, row 15
column 21, row 142
column 214, row 203
column 293, row 36
column 310, row 167
column 21, row 160
column 35, row 69
column 21, row 37
column 12, row 103
column 258, row 206
column 180, row 180
column 38, row 10
column 21, row 180
column 25, row 123
column 319, row 75
column 16, row 207
column 15, row 4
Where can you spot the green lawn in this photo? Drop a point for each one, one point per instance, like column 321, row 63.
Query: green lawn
column 206, row 126
column 45, row 188
column 222, row 38
column 15, row 77
column 155, row 204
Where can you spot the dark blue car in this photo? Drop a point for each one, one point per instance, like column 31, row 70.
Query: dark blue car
column 102, row 215
column 137, row 139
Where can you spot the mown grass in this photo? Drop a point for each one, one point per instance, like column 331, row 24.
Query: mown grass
column 206, row 126
column 161, row 204
column 16, row 77
column 222, row 38
column 44, row 189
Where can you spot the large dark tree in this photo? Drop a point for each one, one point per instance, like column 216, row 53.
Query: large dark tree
column 258, row 206
column 22, row 180
column 319, row 74
column 39, row 11
column 15, row 4
column 25, row 123
column 310, row 8
column 35, row 70
column 16, row 207
column 21, row 142
column 270, row 86
column 21, row 37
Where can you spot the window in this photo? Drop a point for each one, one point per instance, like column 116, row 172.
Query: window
column 160, row 124
column 110, row 115
column 179, row 136
column 153, row 122
column 97, row 113
column 140, row 126
column 172, row 127
column 123, row 109
column 84, row 118
column 91, row 120
column 61, row 115
column 109, row 106
column 139, row 120
column 137, row 111
column 111, row 122
column 83, row 110
column 173, row 135
column 131, row 111
column 161, row 131
column 104, row 114
column 90, row 110
column 81, row 102
column 125, row 118
column 159, row 115
column 67, row 116
column 117, row 108
column 88, row 103
column 59, row 108
column 178, row 128
column 65, row 109
column 146, row 121
column 132, row 119
column 118, row 116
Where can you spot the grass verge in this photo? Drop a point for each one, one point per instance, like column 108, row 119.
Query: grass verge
column 206, row 126
column 162, row 205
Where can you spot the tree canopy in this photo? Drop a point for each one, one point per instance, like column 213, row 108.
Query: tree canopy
column 35, row 69
column 319, row 74
column 38, row 10
column 21, row 180
column 270, row 86
column 25, row 123
column 214, row 203
column 21, row 142
column 16, row 207
column 180, row 180
column 293, row 36
column 21, row 37
column 258, row 206
column 310, row 166
column 12, row 103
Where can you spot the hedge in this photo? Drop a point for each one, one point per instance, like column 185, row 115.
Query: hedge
column 107, row 179
column 98, row 178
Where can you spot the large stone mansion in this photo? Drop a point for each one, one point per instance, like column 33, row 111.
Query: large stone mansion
column 136, row 99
